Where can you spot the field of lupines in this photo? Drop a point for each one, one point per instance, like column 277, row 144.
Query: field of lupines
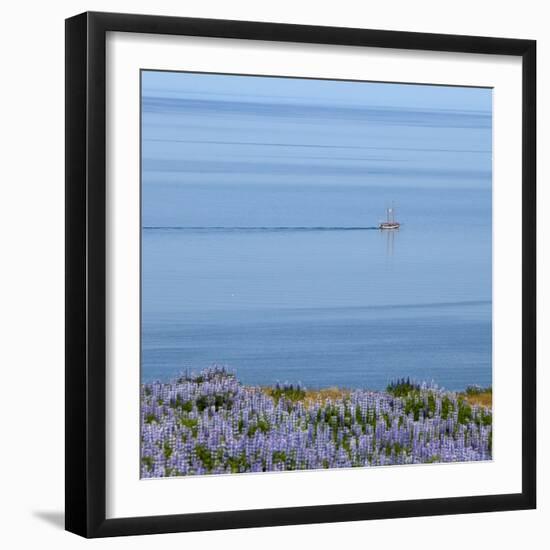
column 210, row 423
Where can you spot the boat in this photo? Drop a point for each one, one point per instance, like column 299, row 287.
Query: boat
column 391, row 222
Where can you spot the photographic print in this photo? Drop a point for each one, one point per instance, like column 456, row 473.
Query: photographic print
column 316, row 274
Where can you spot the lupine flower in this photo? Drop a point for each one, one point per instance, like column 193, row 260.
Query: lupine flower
column 211, row 424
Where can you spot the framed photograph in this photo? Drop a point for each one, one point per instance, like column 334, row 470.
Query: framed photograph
column 300, row 274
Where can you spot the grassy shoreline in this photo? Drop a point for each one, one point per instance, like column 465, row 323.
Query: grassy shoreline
column 482, row 397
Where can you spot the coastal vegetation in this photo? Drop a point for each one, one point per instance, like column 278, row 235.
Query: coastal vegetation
column 476, row 395
column 210, row 423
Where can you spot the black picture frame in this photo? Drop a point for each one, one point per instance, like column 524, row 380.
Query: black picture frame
column 86, row 274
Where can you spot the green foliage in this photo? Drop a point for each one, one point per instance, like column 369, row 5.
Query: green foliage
column 261, row 424
column 150, row 418
column 167, row 450
column 414, row 404
column 191, row 423
column 252, row 429
column 371, row 419
column 330, row 411
column 279, row 456
column 204, row 455
column 348, row 422
column 223, row 401
column 485, row 417
column 202, row 403
column 218, row 401
column 184, row 406
column 395, row 449
column 446, row 407
column 464, row 412
column 238, row 463
column 417, row 402
column 291, row 392
column 148, row 461
column 431, row 403
column 292, row 463
column 402, row 387
column 398, row 448
column 346, row 444
column 434, row 458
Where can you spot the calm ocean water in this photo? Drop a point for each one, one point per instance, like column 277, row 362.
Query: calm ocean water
column 258, row 247
column 326, row 305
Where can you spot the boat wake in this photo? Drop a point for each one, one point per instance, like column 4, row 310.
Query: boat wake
column 256, row 229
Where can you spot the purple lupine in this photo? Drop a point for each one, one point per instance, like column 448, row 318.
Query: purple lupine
column 211, row 424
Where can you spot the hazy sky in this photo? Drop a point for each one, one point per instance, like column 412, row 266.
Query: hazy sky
column 180, row 85
column 202, row 131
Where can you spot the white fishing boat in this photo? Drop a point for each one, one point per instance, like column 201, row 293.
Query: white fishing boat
column 391, row 222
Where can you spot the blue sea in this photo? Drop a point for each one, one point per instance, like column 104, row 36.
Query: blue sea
column 260, row 250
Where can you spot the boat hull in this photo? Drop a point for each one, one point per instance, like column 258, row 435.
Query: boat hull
column 389, row 225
